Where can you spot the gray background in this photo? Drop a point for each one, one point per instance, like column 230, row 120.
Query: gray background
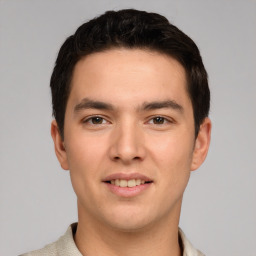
column 37, row 202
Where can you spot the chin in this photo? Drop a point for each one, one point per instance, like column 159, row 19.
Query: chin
column 129, row 227
column 130, row 220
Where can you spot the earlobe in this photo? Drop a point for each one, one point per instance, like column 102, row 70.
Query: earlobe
column 201, row 144
column 59, row 146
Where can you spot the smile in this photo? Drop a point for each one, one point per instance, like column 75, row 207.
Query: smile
column 128, row 183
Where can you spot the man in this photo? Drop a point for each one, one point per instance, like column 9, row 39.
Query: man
column 130, row 100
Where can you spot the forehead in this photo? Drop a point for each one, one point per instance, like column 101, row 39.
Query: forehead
column 128, row 75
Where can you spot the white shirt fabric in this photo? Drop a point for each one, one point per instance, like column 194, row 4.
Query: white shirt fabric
column 65, row 246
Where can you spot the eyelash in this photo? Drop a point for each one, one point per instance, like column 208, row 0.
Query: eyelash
column 89, row 120
column 164, row 119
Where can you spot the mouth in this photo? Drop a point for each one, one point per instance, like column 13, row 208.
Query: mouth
column 127, row 183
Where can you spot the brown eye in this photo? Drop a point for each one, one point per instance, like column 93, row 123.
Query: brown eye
column 94, row 120
column 158, row 120
column 97, row 120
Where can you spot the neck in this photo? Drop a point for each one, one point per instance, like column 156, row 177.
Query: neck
column 94, row 238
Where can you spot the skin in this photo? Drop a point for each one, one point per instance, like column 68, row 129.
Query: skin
column 129, row 138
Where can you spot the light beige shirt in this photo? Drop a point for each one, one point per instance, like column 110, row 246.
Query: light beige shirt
column 66, row 246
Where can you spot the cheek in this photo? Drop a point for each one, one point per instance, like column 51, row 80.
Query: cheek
column 175, row 148
column 85, row 156
column 84, row 152
column 173, row 156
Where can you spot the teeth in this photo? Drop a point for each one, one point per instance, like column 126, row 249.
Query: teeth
column 123, row 183
column 138, row 182
column 127, row 183
column 131, row 183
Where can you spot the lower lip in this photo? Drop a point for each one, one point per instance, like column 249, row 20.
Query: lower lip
column 126, row 191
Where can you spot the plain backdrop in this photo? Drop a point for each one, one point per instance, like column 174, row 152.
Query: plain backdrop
column 37, row 202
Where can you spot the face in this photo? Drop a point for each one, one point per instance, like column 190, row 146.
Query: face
column 129, row 138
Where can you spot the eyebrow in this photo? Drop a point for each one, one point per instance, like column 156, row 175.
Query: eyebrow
column 162, row 104
column 92, row 104
column 87, row 103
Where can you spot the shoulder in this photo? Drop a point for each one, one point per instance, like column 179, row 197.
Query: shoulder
column 64, row 246
column 50, row 250
column 188, row 248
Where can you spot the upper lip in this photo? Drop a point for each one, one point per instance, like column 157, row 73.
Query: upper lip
column 126, row 176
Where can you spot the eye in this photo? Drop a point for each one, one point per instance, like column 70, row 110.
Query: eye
column 94, row 120
column 159, row 120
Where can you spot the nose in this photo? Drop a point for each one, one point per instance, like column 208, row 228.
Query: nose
column 127, row 144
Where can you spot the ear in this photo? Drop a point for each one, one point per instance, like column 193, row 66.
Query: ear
column 201, row 144
column 59, row 147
